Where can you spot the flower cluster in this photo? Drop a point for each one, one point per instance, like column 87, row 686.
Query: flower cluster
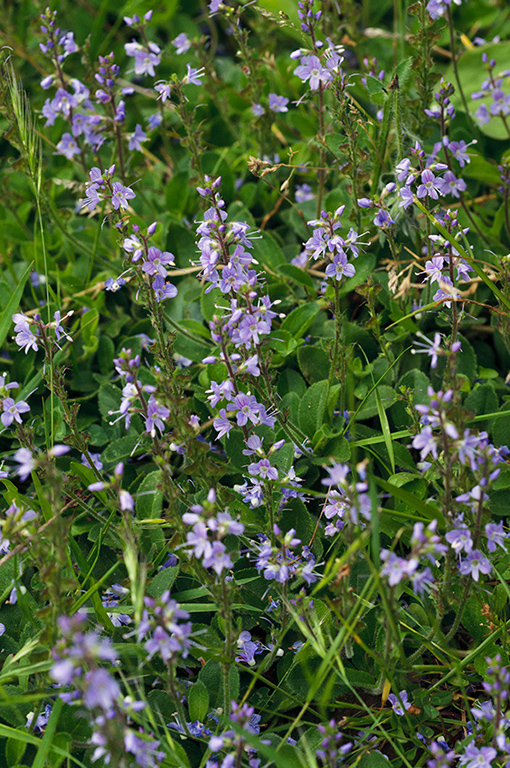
column 79, row 659
column 164, row 629
column 437, row 8
column 18, row 525
column 232, row 740
column 492, row 89
column 425, row 543
column 11, row 409
column 134, row 396
column 331, row 751
column 346, row 502
column 154, row 261
column 226, row 265
column 429, row 183
column 101, row 187
column 204, row 541
column 326, row 242
column 31, row 332
column 320, row 66
column 466, row 528
column 146, row 55
column 279, row 562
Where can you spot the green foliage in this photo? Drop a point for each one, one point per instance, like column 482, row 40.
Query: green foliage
column 308, row 562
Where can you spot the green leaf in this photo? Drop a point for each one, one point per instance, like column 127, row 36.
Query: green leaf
column 312, row 406
column 234, row 446
column 381, row 410
column 14, row 751
column 198, row 701
column 300, row 319
column 500, row 427
column 177, row 192
column 296, row 274
column 428, row 511
column 109, row 398
column 12, row 306
column 387, row 396
column 88, row 328
column 119, row 449
column 482, row 400
column 267, row 250
column 211, row 676
column 149, row 500
column 313, row 362
column 162, row 581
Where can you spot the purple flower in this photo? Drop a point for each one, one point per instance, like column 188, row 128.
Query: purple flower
column 145, row 60
column 24, row 336
column 181, row 43
column 64, row 102
column 221, row 424
column 68, row 44
column 431, row 348
column 193, row 76
column 156, row 261
column 337, row 475
column 474, row 564
column 257, row 110
column 198, row 539
column 136, row 138
column 397, row 568
column 218, row 558
column 495, row 536
column 96, row 460
column 425, row 442
column 449, row 184
column 278, row 103
column 429, row 185
column 164, row 290
column 12, row 410
column 397, row 704
column 474, row 757
column 126, row 501
column 155, row 415
column 404, row 171
column 433, row 268
column 26, row 463
column 264, row 469
column 101, row 691
column 247, row 407
column 121, row 195
column 310, row 68
column 460, row 539
column 247, row 648
column 422, row 580
column 59, row 328
column 340, row 267
column 164, row 91
column 250, row 329
column 114, row 284
column 458, row 150
column 154, row 120
column 482, row 114
column 303, row 193
column 406, row 197
column 383, row 219
column 68, row 146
